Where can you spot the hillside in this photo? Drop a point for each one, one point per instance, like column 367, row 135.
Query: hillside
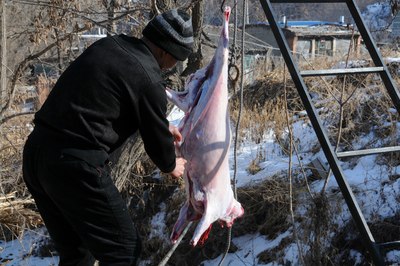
column 297, row 11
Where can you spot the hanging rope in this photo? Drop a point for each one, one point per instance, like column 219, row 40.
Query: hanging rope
column 229, row 238
column 233, row 53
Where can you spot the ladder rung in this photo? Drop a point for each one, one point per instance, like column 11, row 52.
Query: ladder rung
column 307, row 1
column 367, row 151
column 388, row 245
column 343, row 71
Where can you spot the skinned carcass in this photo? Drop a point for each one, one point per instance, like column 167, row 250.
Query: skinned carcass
column 206, row 141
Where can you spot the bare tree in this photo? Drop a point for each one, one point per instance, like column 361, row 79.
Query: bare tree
column 110, row 6
column 3, row 52
column 195, row 60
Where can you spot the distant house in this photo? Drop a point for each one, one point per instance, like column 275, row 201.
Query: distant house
column 95, row 32
column 305, row 38
column 311, row 38
column 89, row 37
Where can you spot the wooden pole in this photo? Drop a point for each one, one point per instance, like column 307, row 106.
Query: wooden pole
column 3, row 53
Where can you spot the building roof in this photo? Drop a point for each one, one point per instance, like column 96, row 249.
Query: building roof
column 308, row 23
column 323, row 30
column 313, row 28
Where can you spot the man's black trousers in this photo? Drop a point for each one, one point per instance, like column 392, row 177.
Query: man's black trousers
column 82, row 209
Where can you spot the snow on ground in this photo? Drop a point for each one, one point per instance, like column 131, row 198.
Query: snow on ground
column 158, row 224
column 377, row 16
column 18, row 252
column 392, row 59
column 250, row 247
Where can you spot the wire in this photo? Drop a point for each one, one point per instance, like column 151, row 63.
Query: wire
column 229, row 238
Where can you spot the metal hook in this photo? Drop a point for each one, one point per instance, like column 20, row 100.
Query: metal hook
column 223, row 3
column 222, row 6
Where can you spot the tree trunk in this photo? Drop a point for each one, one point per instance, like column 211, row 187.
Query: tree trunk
column 3, row 91
column 195, row 60
column 126, row 160
column 110, row 7
column 59, row 51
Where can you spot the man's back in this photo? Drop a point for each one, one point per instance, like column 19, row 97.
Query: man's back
column 94, row 100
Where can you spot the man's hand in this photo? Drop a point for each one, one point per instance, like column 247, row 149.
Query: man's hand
column 179, row 168
column 175, row 132
column 180, row 162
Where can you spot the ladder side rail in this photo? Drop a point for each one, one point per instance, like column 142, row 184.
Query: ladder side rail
column 375, row 54
column 323, row 137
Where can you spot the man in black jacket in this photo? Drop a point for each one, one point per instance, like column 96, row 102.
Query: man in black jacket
column 108, row 93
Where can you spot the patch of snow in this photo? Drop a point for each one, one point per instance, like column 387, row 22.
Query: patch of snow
column 393, row 257
column 389, row 60
column 175, row 116
column 376, row 16
column 351, row 64
column 249, row 247
column 291, row 254
column 357, row 256
column 19, row 252
column 158, row 224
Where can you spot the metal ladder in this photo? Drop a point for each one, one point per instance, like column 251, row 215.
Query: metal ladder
column 376, row 250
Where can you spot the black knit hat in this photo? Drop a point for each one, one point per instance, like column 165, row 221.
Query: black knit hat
column 171, row 31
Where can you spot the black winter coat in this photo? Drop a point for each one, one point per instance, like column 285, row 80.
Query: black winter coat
column 113, row 89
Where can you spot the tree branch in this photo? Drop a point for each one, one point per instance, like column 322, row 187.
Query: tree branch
column 23, row 64
column 5, row 119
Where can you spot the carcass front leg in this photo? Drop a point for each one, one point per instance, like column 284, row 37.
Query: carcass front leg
column 181, row 223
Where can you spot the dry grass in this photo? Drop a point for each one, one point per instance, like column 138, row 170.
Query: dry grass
column 347, row 239
column 263, row 107
column 17, row 211
column 366, row 109
column 266, row 208
column 254, row 166
column 17, row 215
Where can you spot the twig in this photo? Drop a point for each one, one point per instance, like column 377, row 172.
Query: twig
column 341, row 103
column 290, row 171
column 5, row 119
column 23, row 64
column 171, row 251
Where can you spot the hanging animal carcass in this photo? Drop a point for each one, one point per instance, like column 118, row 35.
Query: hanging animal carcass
column 206, row 141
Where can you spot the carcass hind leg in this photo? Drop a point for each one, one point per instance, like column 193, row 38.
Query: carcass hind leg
column 203, row 227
